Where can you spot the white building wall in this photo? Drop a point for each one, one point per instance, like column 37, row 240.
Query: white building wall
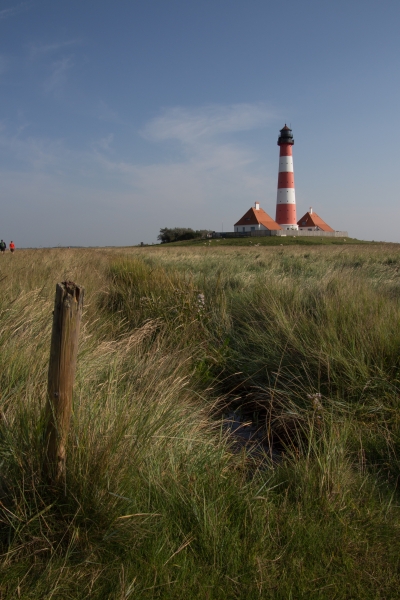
column 304, row 228
column 245, row 228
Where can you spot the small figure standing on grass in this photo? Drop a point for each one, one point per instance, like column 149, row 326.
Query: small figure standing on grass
column 3, row 246
column 12, row 246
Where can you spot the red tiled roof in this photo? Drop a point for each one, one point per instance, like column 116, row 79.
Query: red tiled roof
column 254, row 217
column 313, row 220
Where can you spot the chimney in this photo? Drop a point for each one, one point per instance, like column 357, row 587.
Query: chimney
column 257, row 206
column 310, row 210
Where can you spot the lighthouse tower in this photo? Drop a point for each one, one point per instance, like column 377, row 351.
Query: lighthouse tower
column 286, row 200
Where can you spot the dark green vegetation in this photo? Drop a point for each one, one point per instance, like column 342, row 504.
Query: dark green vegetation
column 271, row 241
column 177, row 234
column 156, row 504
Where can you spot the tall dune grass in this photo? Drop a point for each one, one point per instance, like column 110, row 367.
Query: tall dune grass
column 155, row 503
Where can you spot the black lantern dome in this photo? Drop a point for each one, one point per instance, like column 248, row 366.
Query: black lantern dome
column 286, row 136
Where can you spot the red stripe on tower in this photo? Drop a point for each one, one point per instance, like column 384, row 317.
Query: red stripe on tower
column 286, row 199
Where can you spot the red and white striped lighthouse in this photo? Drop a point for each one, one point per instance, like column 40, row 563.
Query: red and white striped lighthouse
column 286, row 200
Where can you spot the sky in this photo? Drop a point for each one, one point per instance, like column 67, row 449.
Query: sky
column 120, row 118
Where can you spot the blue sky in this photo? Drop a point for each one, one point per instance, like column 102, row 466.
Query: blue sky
column 119, row 118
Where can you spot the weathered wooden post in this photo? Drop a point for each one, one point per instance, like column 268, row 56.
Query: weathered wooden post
column 63, row 353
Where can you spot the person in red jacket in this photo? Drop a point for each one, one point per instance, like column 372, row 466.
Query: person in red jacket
column 12, row 246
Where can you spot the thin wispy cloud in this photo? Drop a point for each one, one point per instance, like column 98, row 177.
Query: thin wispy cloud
column 6, row 13
column 58, row 76
column 208, row 163
column 204, row 153
column 3, row 64
column 190, row 125
column 209, row 167
column 104, row 113
column 34, row 154
column 192, row 184
column 39, row 50
column 104, row 144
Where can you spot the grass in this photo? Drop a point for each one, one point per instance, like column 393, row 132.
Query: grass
column 272, row 241
column 156, row 503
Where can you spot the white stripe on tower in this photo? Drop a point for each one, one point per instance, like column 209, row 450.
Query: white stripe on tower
column 286, row 199
column 285, row 164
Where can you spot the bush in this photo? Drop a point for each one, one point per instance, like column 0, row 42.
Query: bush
column 178, row 234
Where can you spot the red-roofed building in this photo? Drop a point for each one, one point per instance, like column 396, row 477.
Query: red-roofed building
column 256, row 219
column 312, row 222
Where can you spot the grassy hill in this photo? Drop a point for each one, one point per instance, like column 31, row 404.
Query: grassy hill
column 273, row 241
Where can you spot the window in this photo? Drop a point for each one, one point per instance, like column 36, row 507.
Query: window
column 244, row 228
column 253, row 229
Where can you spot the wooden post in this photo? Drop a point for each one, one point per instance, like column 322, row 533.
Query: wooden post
column 62, row 366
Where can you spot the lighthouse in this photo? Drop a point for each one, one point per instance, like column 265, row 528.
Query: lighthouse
column 286, row 200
